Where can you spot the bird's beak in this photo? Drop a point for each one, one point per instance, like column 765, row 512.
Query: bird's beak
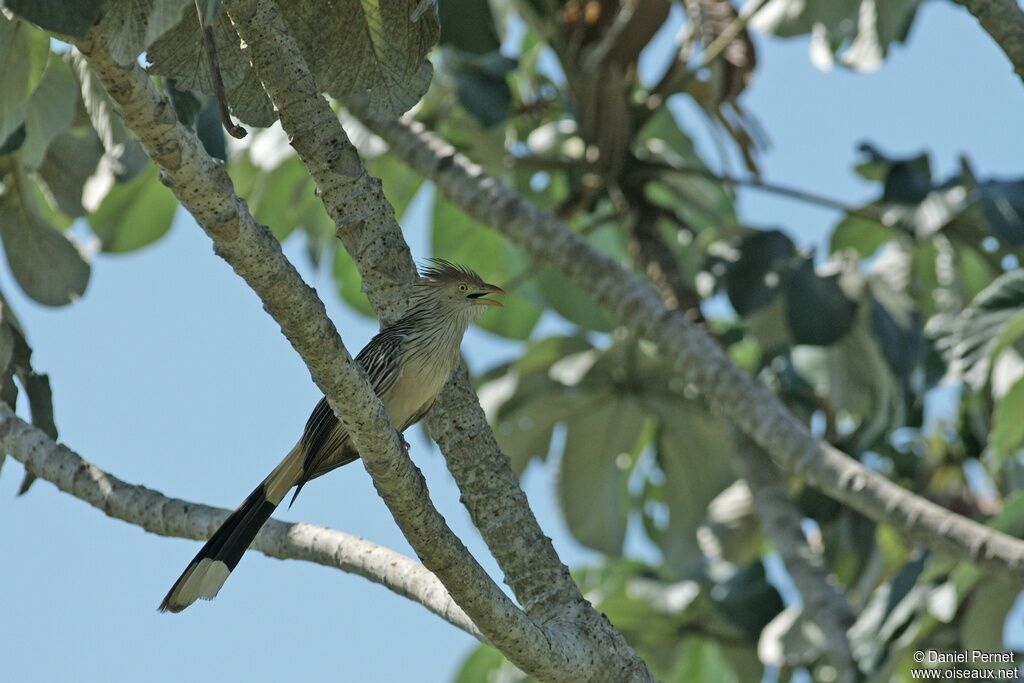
column 490, row 289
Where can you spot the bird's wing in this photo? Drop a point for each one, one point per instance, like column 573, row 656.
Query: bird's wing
column 325, row 440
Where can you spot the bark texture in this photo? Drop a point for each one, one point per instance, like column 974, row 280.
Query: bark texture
column 1004, row 21
column 727, row 388
column 165, row 516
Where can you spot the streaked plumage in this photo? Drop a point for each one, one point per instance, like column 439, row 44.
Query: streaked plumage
column 407, row 364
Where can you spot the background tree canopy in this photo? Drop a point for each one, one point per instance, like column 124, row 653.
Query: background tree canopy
column 896, row 333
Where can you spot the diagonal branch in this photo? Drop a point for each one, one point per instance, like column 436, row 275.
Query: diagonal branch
column 367, row 227
column 165, row 516
column 727, row 388
column 1004, row 21
column 823, row 599
column 203, row 187
column 824, row 602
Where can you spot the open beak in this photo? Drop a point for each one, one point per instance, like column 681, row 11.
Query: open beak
column 488, row 289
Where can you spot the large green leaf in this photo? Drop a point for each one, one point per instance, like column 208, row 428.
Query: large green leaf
column 400, row 182
column 694, row 452
column 484, row 663
column 49, row 111
column 860, row 32
column 572, row 303
column 1002, row 204
column 861, row 234
column 1008, row 421
column 133, row 25
column 468, row 26
column 971, row 338
column 373, row 47
column 122, row 147
column 346, row 276
column 24, row 52
column 71, row 159
column 983, row 621
column 134, row 214
column 595, row 463
column 765, row 263
column 59, row 16
column 47, row 266
column 817, row 311
column 179, row 54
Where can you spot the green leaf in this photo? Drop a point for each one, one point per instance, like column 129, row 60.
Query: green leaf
column 70, row 160
column 481, row 85
column 1002, row 204
column 50, row 110
column 861, row 234
column 133, row 25
column 375, row 48
column 859, row 32
column 981, row 627
column 747, row 599
column 400, row 182
column 765, row 261
column 1008, row 421
column 816, row 310
column 14, row 141
column 346, row 276
column 179, row 54
column 47, row 266
column 59, row 16
column 24, row 53
column 134, row 214
column 468, row 26
column 974, row 334
column 273, row 195
column 484, row 663
column 572, row 303
column 122, row 147
column 694, row 452
column 210, row 131
column 593, row 475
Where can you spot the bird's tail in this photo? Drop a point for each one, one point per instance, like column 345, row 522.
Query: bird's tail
column 211, row 567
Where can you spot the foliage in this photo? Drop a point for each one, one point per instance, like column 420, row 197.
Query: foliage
column 920, row 286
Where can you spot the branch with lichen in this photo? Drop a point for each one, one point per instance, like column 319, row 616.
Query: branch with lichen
column 1004, row 21
column 178, row 518
column 727, row 388
column 367, row 227
column 203, row 187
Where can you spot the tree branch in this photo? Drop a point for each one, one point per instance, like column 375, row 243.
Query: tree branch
column 367, row 227
column 824, row 602
column 177, row 518
column 1004, row 21
column 727, row 388
column 203, row 187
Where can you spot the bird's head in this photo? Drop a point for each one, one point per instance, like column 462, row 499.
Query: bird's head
column 457, row 288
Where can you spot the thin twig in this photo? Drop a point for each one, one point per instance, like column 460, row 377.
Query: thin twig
column 233, row 129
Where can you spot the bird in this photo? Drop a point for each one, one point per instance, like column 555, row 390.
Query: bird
column 407, row 363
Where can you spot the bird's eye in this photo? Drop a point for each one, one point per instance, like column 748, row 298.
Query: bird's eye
column 463, row 288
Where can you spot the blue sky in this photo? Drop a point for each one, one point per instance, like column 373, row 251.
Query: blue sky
column 169, row 374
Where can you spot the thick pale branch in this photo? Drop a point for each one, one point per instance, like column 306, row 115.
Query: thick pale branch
column 1004, row 21
column 729, row 389
column 203, row 187
column 367, row 227
column 159, row 514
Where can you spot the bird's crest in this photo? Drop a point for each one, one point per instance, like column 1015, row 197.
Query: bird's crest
column 441, row 271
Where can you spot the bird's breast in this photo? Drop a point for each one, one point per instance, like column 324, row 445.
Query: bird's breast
column 417, row 387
